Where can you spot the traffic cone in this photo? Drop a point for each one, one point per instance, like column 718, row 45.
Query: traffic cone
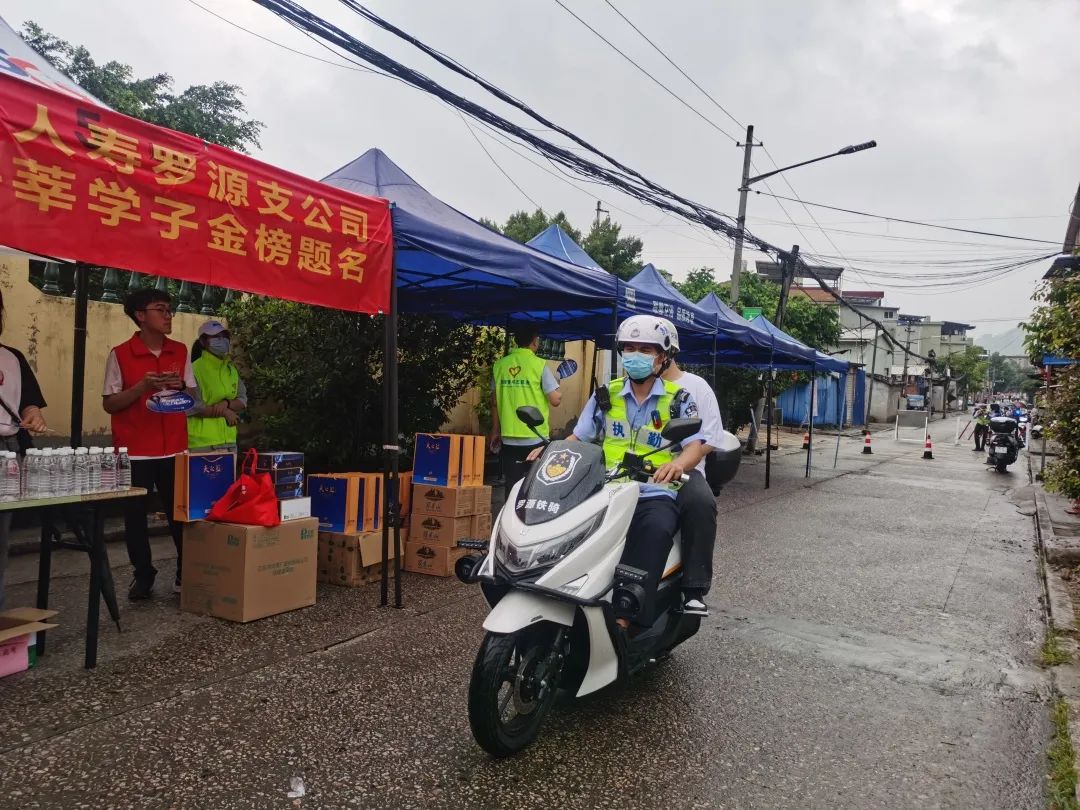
column 866, row 444
column 806, row 441
column 928, row 449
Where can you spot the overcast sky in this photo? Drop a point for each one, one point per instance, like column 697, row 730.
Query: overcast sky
column 972, row 104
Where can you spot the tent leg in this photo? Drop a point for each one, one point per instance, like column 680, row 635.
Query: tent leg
column 391, row 450
column 614, row 329
column 768, row 424
column 78, row 364
column 810, row 419
column 842, row 414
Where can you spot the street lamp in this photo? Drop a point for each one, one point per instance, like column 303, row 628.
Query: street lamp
column 748, row 181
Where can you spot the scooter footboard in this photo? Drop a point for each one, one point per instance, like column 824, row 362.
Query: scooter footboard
column 519, row 609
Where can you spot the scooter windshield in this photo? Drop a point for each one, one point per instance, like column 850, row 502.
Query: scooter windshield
column 566, row 474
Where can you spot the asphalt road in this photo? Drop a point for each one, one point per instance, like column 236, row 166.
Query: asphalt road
column 874, row 644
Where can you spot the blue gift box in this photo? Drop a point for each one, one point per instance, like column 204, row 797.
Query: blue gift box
column 201, row 479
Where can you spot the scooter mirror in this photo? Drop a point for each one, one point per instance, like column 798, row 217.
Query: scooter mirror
column 532, row 417
column 678, row 429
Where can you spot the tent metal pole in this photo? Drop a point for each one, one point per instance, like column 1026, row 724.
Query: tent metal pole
column 769, row 414
column 842, row 413
column 391, row 449
column 78, row 364
column 810, row 419
column 614, row 328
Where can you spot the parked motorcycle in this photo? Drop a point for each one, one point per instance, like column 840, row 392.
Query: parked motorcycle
column 1003, row 446
column 552, row 577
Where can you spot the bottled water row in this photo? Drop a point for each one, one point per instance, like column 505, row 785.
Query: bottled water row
column 64, row 471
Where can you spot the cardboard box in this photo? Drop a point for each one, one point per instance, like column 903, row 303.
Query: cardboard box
column 438, row 561
column 272, row 460
column 480, row 527
column 443, row 501
column 243, row 573
column 472, row 461
column 346, row 502
column 18, row 637
column 439, row 530
column 448, row 460
column 295, row 508
column 200, row 479
column 404, row 492
column 482, row 500
column 352, row 559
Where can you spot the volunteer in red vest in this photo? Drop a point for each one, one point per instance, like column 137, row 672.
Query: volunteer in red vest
column 147, row 364
column 520, row 378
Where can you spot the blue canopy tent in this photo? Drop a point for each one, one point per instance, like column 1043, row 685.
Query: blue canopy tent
column 554, row 241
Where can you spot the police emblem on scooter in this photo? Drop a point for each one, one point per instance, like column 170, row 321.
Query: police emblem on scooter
column 558, row 467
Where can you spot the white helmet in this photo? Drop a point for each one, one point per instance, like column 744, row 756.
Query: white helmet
column 648, row 329
column 674, row 333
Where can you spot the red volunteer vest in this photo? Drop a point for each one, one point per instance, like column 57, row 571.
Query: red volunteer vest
column 143, row 432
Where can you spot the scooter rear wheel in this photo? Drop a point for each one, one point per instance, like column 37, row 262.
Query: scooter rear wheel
column 511, row 690
column 1002, row 466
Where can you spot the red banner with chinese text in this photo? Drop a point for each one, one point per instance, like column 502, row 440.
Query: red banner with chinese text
column 83, row 182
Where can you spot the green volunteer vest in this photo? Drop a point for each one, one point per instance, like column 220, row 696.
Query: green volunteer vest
column 982, row 419
column 617, row 438
column 218, row 380
column 518, row 381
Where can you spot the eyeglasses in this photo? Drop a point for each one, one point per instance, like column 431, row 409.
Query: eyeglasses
column 163, row 310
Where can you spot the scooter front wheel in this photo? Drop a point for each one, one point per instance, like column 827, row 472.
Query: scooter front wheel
column 512, row 688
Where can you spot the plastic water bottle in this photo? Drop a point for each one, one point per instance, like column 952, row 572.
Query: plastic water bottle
column 9, row 486
column 48, row 472
column 65, row 472
column 108, row 470
column 123, row 469
column 27, row 473
column 82, row 470
column 95, row 470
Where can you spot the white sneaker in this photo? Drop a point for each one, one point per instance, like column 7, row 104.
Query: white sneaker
column 695, row 607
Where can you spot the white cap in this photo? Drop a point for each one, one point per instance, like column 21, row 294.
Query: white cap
column 122, row 450
column 81, row 451
column 46, row 451
column 95, row 449
column 110, row 449
column 212, row 327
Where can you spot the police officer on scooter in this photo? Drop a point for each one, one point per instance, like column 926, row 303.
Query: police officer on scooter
column 628, row 415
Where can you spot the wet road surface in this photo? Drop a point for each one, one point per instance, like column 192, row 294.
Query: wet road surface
column 873, row 643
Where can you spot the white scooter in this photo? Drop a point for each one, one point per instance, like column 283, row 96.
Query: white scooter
column 553, row 580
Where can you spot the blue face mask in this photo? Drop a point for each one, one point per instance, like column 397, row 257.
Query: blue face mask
column 218, row 346
column 637, row 365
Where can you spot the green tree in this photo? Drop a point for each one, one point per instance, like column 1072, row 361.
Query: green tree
column 968, row 369
column 619, row 255
column 317, row 376
column 213, row 112
column 1052, row 331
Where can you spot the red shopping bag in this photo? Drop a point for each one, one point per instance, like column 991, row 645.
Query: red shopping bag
column 251, row 500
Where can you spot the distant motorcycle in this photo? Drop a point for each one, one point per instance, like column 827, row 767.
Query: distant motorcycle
column 1004, row 444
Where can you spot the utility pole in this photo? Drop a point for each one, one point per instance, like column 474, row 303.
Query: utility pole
column 744, row 189
column 907, row 351
column 873, row 370
column 788, row 265
column 600, row 211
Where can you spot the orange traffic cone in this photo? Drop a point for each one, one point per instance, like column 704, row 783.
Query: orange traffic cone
column 866, row 444
column 806, row 441
column 928, row 449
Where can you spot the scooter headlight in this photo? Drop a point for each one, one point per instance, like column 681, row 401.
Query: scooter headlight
column 519, row 559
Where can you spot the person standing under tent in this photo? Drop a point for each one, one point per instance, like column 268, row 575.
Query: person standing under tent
column 520, row 378
column 221, row 395
column 20, row 409
column 144, row 365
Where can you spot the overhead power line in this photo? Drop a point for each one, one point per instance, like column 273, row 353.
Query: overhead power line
column 621, row 177
column 912, row 221
column 671, row 62
column 652, row 78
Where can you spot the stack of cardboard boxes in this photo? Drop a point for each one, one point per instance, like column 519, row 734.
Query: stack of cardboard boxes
column 239, row 572
column 349, row 508
column 449, row 503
